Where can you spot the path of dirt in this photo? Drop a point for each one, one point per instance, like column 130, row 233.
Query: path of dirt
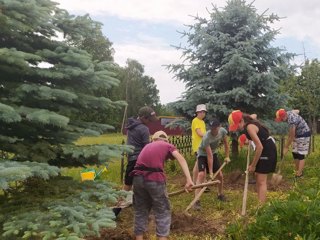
column 181, row 223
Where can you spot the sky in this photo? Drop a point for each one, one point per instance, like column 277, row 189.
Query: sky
column 148, row 30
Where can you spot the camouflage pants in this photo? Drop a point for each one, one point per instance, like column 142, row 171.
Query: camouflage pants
column 147, row 196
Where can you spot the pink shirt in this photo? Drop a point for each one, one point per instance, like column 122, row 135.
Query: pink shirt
column 153, row 155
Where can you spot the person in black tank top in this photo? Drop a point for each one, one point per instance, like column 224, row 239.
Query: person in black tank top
column 265, row 158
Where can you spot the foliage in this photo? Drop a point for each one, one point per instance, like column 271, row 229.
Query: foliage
column 294, row 217
column 305, row 93
column 136, row 88
column 51, row 91
column 93, row 40
column 76, row 209
column 46, row 84
column 11, row 171
column 230, row 63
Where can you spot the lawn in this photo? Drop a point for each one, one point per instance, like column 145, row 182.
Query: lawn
column 214, row 217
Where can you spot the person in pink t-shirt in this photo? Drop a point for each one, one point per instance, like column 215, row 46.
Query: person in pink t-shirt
column 149, row 185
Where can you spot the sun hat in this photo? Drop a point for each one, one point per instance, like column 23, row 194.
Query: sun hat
column 160, row 135
column 201, row 107
column 280, row 115
column 148, row 112
column 234, row 120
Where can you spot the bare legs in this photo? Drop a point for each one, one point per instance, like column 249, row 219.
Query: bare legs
column 299, row 166
column 195, row 172
column 261, row 185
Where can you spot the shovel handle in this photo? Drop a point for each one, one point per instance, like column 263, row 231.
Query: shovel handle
column 194, row 187
column 245, row 190
column 197, row 197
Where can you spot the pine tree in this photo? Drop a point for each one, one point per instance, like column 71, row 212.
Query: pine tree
column 230, row 63
column 46, row 83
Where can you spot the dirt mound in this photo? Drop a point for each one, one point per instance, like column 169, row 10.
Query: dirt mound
column 114, row 234
column 182, row 223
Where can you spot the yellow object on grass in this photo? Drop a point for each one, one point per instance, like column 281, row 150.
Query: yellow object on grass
column 91, row 174
column 88, row 174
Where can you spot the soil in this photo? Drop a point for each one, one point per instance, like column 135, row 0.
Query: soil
column 181, row 223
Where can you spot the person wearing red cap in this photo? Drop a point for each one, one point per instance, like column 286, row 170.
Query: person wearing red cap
column 299, row 137
column 265, row 156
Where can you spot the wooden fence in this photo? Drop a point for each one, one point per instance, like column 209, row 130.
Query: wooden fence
column 184, row 145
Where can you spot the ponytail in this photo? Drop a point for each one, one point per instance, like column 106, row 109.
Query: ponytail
column 249, row 120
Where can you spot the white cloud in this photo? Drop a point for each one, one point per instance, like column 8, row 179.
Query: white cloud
column 300, row 22
column 177, row 11
column 153, row 53
column 299, row 18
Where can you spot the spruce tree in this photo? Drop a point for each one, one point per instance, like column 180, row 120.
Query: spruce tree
column 229, row 62
column 46, row 83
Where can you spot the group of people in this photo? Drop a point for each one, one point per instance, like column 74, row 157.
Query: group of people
column 145, row 169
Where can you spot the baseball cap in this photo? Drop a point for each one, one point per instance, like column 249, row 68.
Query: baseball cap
column 160, row 135
column 201, row 107
column 234, row 120
column 280, row 115
column 242, row 140
column 148, row 112
column 214, row 123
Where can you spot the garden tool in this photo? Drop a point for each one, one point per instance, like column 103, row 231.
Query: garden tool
column 202, row 185
column 245, row 190
column 197, row 197
column 277, row 177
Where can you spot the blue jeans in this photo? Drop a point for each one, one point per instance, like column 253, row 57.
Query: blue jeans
column 149, row 195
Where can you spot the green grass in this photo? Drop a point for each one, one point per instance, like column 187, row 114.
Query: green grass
column 111, row 138
column 114, row 166
column 220, row 214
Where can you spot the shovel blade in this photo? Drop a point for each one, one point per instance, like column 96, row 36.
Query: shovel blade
column 276, row 179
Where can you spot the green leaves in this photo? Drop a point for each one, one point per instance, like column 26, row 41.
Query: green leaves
column 230, row 62
column 12, row 171
column 76, row 211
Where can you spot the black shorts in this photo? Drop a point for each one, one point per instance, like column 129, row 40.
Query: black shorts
column 203, row 163
column 298, row 156
column 268, row 159
column 128, row 180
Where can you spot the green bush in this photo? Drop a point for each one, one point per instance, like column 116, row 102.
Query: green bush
column 295, row 218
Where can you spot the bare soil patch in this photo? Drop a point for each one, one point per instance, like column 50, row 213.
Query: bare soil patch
column 197, row 224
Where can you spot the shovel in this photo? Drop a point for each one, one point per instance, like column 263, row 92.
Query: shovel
column 202, row 185
column 197, row 197
column 277, row 177
column 245, row 190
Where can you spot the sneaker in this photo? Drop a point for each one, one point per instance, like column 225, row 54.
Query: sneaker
column 298, row 176
column 197, row 206
column 129, row 198
column 116, row 211
column 222, row 198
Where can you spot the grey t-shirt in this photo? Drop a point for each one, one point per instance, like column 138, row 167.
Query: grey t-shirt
column 213, row 141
